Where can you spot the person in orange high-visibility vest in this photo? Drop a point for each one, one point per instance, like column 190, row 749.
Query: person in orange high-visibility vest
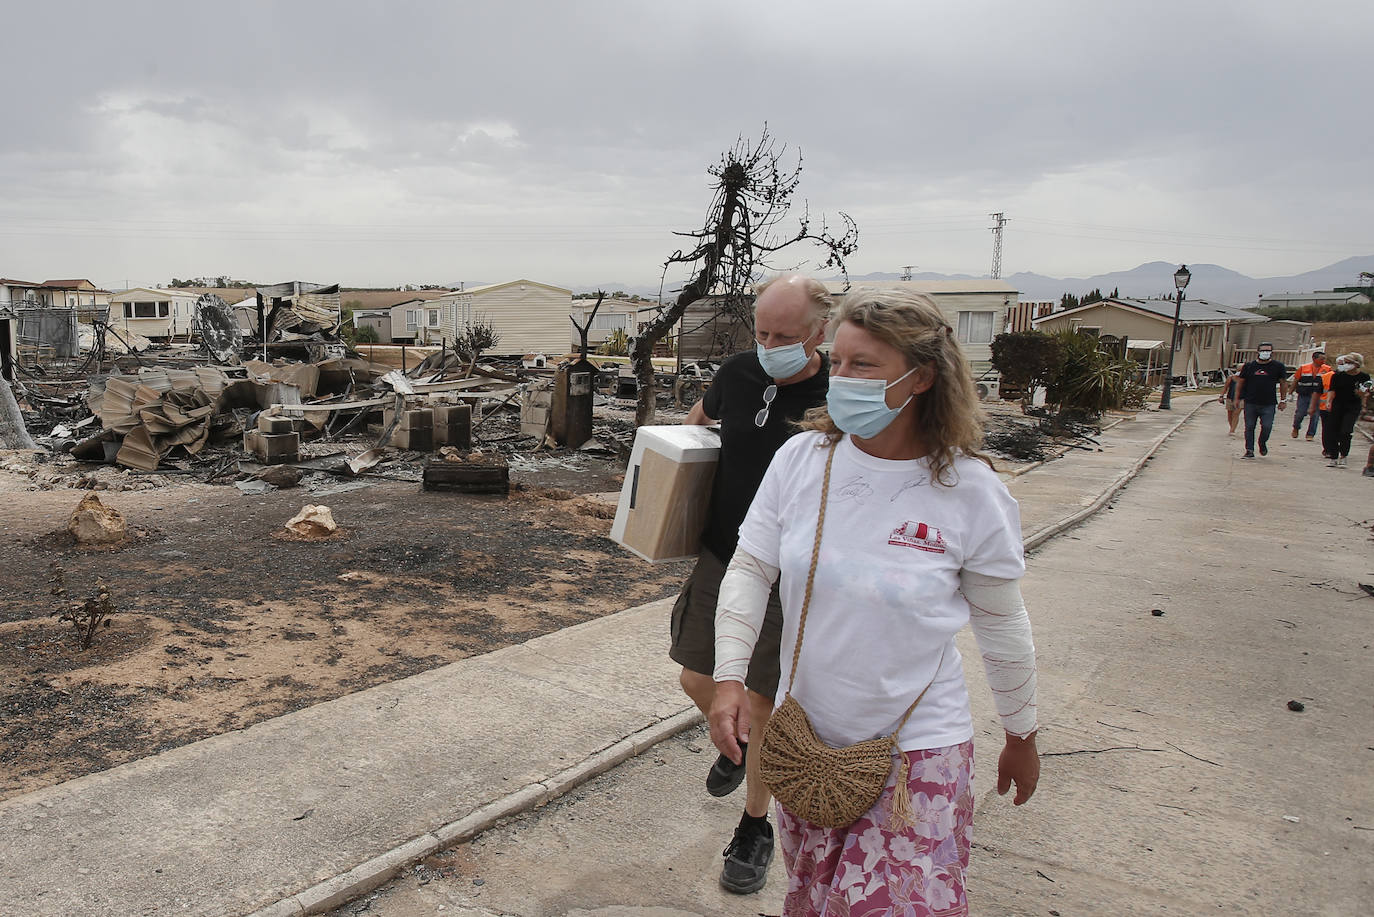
column 1310, row 387
column 1324, row 405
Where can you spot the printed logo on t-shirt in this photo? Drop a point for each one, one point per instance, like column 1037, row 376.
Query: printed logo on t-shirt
column 918, row 535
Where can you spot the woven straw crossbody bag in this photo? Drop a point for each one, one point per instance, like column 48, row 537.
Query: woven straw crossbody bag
column 830, row 787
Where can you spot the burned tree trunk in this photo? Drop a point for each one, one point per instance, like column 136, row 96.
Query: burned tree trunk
column 583, row 328
column 753, row 194
column 13, row 433
column 711, row 257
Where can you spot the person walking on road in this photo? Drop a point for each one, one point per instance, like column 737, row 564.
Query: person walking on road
column 757, row 397
column 1350, row 388
column 889, row 532
column 1258, row 380
column 1309, row 386
column 1324, row 410
column 1228, row 398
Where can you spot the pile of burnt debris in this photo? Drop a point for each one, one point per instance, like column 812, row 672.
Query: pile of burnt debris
column 275, row 397
column 1039, row 434
column 446, row 423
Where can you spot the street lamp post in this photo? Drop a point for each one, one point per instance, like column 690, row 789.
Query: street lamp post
column 1181, row 278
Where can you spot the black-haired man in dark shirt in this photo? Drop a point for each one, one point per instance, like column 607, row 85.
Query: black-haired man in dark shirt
column 1258, row 380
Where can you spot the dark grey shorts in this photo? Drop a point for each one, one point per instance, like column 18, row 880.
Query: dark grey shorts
column 694, row 628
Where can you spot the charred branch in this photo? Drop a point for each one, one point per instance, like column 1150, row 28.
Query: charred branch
column 736, row 244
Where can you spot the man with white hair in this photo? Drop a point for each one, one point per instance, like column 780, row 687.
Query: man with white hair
column 757, row 397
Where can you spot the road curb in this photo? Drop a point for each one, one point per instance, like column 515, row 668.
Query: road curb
column 339, row 890
column 1045, row 533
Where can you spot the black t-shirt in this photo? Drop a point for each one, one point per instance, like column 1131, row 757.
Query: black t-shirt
column 1345, row 390
column 1261, row 381
column 734, row 399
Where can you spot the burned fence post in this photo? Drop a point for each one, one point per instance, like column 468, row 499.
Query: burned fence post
column 570, row 415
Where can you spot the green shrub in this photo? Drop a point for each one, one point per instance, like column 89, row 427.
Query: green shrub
column 617, row 345
column 1087, row 379
column 1025, row 359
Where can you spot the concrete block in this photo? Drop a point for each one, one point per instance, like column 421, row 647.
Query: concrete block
column 415, row 439
column 268, row 424
column 411, row 419
column 453, row 425
column 449, row 414
column 458, row 435
column 272, row 448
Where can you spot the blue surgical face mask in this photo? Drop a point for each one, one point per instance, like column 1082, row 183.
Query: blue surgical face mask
column 783, row 362
column 1266, row 354
column 859, row 406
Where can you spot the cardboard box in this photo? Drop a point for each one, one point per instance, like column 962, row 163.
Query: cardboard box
column 667, row 492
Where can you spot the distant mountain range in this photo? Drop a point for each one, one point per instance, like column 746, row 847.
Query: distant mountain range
column 1156, row 278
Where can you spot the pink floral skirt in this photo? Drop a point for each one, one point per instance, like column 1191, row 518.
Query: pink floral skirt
column 866, row 870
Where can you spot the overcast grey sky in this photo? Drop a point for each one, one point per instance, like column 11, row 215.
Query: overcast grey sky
column 428, row 142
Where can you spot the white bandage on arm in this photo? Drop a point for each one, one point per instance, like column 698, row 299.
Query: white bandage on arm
column 739, row 613
column 1002, row 628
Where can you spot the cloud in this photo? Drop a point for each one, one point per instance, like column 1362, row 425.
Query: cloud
column 380, row 144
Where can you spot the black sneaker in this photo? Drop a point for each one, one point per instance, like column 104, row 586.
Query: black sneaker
column 1264, row 450
column 1248, row 455
column 747, row 858
column 725, row 775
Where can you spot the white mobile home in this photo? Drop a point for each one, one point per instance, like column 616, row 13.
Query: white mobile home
column 530, row 317
column 1210, row 335
column 416, row 321
column 615, row 314
column 155, row 314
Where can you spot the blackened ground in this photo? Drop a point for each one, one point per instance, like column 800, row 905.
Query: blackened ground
column 221, row 622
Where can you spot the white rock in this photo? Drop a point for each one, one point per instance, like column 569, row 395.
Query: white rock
column 313, row 520
column 92, row 522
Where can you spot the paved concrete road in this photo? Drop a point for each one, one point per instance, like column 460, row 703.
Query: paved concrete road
column 1176, row 780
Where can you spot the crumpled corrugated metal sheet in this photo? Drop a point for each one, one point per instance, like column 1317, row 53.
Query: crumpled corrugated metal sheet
column 158, row 410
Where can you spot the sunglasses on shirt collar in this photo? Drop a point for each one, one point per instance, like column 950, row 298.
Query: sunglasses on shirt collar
column 769, row 394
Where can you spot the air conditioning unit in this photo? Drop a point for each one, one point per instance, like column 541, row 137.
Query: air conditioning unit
column 988, row 389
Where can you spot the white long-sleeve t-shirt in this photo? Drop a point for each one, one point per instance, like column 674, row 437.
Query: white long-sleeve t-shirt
column 905, row 562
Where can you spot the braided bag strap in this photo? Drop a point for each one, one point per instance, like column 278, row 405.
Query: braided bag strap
column 811, row 574
column 900, row 815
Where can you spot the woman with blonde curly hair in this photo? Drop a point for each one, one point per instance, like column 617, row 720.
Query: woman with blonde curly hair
column 890, row 531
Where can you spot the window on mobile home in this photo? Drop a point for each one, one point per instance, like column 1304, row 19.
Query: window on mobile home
column 975, row 327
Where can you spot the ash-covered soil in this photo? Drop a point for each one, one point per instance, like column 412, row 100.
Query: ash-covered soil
column 220, row 623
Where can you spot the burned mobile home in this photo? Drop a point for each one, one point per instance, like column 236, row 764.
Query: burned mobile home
column 224, row 401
